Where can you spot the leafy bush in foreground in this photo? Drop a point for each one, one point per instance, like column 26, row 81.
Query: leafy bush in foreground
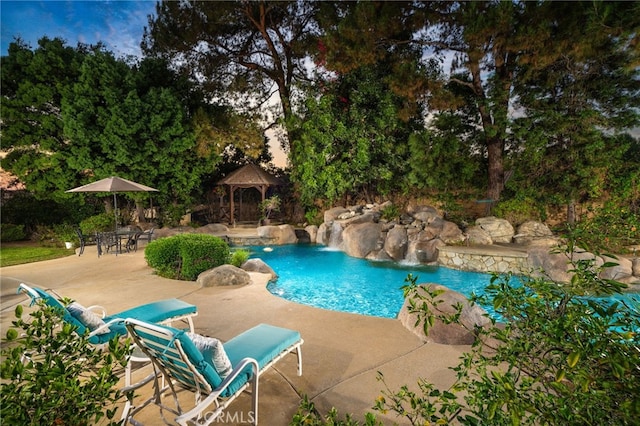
column 52, row 376
column 560, row 358
column 185, row 256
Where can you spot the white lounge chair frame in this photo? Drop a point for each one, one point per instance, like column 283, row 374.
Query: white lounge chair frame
column 172, row 365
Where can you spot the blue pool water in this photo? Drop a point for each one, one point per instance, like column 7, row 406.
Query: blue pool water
column 329, row 279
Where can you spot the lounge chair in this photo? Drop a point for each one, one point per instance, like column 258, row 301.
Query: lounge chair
column 102, row 327
column 216, row 380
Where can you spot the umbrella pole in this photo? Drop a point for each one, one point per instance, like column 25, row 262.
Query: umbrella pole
column 115, row 211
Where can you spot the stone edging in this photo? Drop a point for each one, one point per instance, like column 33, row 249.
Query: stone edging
column 482, row 260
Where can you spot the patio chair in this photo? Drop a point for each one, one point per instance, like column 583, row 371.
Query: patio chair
column 132, row 241
column 101, row 327
column 147, row 235
column 82, row 239
column 216, row 373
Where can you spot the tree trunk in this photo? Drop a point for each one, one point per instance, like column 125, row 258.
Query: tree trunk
column 571, row 212
column 140, row 212
column 496, row 169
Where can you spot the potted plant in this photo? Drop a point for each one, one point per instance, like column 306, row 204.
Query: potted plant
column 268, row 206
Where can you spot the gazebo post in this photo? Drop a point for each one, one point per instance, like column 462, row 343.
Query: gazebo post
column 233, row 189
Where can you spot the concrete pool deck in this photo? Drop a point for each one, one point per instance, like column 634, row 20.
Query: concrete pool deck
column 341, row 355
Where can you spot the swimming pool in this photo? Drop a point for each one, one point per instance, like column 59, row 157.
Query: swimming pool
column 329, row 279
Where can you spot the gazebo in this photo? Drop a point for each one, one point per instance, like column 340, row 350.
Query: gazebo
column 249, row 176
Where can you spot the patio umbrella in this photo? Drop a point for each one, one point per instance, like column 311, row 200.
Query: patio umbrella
column 113, row 184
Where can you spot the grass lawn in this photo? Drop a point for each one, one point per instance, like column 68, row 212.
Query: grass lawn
column 17, row 253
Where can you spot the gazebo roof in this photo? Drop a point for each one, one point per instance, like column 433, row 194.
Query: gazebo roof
column 249, row 176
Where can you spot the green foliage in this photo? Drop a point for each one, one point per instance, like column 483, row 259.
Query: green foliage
column 65, row 233
column 611, row 227
column 102, row 222
column 443, row 158
column 185, row 256
column 163, row 255
column 10, row 232
column 24, row 208
column 313, row 217
column 307, row 415
column 269, row 205
column 390, row 212
column 558, row 359
column 352, row 142
column 50, row 375
column 232, row 26
column 239, row 256
column 519, row 209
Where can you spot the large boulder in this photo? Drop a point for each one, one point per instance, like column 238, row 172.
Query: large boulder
column 451, row 234
column 449, row 334
column 535, row 233
column 424, row 251
column 223, row 276
column 556, row 265
column 361, row 239
column 332, row 214
column 424, row 214
column 354, row 220
column 623, row 271
column 478, row 236
column 396, row 242
column 283, row 234
column 636, row 266
column 312, row 230
column 434, row 228
column 324, row 233
column 258, row 265
column 500, row 230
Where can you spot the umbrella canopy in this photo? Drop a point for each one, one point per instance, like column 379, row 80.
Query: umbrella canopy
column 113, row 184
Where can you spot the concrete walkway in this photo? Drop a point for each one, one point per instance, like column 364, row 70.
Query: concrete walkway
column 342, row 352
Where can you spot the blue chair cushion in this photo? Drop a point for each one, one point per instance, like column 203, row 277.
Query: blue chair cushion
column 263, row 343
column 157, row 311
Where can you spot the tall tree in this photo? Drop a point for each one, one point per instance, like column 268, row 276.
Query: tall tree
column 352, row 143
column 241, row 51
column 71, row 116
column 581, row 90
column 491, row 46
column 34, row 82
column 120, row 124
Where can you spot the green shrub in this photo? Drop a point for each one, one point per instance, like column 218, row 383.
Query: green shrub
column 103, row 222
column 185, row 256
column 52, row 376
column 238, row 257
column 10, row 232
column 65, row 233
column 390, row 212
column 519, row 210
column 611, row 227
column 314, row 217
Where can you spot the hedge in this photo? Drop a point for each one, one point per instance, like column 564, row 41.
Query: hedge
column 186, row 256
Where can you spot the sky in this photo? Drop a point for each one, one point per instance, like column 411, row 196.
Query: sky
column 118, row 24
